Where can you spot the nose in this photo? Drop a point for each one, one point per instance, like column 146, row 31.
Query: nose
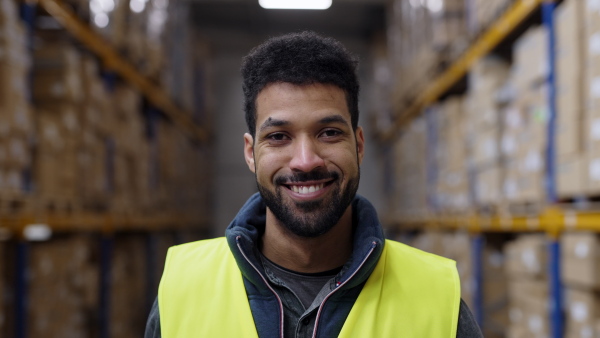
column 306, row 156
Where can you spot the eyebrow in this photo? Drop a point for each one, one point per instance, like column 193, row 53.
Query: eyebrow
column 333, row 119
column 271, row 122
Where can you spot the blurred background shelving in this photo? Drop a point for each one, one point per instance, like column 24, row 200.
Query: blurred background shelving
column 121, row 135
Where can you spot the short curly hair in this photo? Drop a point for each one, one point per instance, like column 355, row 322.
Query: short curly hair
column 301, row 59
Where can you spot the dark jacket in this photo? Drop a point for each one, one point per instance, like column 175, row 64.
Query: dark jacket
column 244, row 235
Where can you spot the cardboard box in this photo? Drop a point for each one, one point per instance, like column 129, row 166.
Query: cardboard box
column 571, row 171
column 527, row 257
column 488, row 186
column 530, row 55
column 580, row 260
column 64, row 286
column 570, row 134
column 582, row 310
column 529, row 306
column 487, row 148
column 592, row 172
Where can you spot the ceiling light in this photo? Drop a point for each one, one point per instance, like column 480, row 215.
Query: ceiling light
column 295, row 4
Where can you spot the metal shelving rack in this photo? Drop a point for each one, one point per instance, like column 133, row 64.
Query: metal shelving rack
column 554, row 219
column 106, row 225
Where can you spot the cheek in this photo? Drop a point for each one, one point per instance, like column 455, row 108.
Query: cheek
column 267, row 166
column 344, row 159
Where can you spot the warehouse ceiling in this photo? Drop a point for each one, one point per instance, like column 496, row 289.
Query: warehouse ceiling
column 345, row 18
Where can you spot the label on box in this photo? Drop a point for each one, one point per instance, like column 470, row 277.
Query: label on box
column 510, row 189
column 594, row 169
column 509, row 145
column 535, row 324
column 515, row 314
column 594, row 43
column 582, row 250
column 530, row 260
column 513, row 118
column 595, row 87
column 533, row 162
column 579, row 311
column 595, row 129
column 593, row 5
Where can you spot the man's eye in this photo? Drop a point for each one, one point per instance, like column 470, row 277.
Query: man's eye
column 331, row 133
column 277, row 137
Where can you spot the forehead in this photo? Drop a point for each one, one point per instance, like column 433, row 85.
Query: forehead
column 300, row 102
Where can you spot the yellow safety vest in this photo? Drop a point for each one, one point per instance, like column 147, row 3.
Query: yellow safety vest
column 410, row 293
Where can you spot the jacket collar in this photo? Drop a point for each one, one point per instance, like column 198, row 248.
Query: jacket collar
column 246, row 229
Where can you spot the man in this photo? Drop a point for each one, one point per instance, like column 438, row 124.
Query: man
column 306, row 257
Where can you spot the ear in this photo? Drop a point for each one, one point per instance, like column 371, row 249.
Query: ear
column 360, row 144
column 249, row 152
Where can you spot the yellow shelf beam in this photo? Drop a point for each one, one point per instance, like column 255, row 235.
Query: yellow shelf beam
column 106, row 223
column 514, row 16
column 123, row 68
column 552, row 220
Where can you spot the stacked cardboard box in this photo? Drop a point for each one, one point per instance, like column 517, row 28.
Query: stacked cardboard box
column 483, row 126
column 591, row 89
column 452, row 185
column 410, row 172
column 57, row 94
column 495, row 293
column 481, row 13
column 526, row 261
column 580, row 270
column 570, row 68
column 63, row 288
column 525, row 120
column 15, row 112
column 131, row 162
column 449, row 28
column 420, row 36
column 128, row 302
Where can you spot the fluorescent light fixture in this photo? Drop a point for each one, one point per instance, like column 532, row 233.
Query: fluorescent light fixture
column 295, row 4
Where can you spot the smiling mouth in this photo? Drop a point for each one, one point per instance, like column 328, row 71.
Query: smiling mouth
column 307, row 188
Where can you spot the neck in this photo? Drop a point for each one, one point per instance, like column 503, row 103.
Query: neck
column 308, row 255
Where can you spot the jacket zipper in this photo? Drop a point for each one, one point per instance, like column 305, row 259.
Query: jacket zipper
column 237, row 240
column 339, row 286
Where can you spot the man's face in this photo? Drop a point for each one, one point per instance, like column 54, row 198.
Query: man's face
column 305, row 155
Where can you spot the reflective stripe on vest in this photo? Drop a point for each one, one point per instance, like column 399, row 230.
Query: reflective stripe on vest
column 409, row 294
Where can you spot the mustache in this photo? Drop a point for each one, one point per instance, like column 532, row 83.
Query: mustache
column 314, row 175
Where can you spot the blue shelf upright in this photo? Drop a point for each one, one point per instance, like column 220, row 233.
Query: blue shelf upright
column 477, row 245
column 106, row 252
column 556, row 313
column 21, row 289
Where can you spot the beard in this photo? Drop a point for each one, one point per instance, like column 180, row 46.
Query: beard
column 311, row 218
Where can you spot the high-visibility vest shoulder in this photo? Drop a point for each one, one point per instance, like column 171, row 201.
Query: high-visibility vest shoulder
column 410, row 293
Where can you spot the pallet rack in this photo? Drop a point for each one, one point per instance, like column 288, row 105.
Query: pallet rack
column 105, row 225
column 555, row 218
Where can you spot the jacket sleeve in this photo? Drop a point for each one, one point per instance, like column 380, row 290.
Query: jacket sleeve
column 153, row 323
column 467, row 325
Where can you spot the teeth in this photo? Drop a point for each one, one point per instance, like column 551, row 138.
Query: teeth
column 306, row 189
